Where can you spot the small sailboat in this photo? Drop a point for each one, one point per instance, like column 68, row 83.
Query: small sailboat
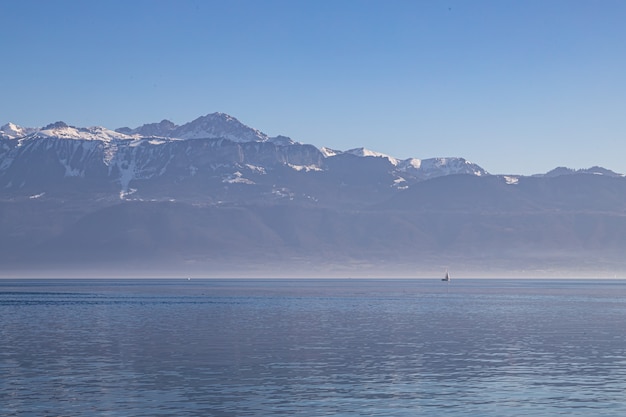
column 446, row 277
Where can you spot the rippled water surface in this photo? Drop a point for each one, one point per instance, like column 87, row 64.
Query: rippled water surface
column 312, row 348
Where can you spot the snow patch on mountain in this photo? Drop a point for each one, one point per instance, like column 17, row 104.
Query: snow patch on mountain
column 411, row 163
column 256, row 169
column 400, row 183
column 151, row 141
column 127, row 174
column 511, row 180
column 125, row 193
column 305, row 168
column 237, row 178
column 283, row 192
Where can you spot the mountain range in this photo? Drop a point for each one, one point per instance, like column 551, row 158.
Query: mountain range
column 214, row 197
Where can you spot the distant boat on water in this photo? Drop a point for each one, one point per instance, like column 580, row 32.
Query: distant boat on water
column 446, row 277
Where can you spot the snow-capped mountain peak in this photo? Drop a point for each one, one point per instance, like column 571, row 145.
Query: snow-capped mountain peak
column 163, row 128
column 431, row 167
column 218, row 125
column 327, row 152
column 367, row 152
column 13, row 131
column 413, row 167
column 62, row 130
column 211, row 126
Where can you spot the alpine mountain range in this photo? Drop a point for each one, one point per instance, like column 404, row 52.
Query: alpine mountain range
column 214, row 197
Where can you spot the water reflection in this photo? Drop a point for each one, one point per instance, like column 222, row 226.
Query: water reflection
column 392, row 348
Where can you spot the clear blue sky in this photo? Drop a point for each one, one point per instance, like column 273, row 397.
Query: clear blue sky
column 516, row 86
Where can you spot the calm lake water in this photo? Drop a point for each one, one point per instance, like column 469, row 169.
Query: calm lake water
column 312, row 348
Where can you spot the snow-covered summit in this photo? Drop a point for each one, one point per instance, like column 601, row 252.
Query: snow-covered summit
column 418, row 168
column 218, row 125
column 426, row 168
column 327, row 152
column 366, row 152
column 163, row 128
column 13, row 131
column 432, row 167
column 61, row 130
column 211, row 126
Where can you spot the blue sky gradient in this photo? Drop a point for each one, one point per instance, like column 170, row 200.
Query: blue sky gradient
column 518, row 87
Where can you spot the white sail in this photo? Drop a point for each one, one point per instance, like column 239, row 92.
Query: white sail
column 447, row 277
